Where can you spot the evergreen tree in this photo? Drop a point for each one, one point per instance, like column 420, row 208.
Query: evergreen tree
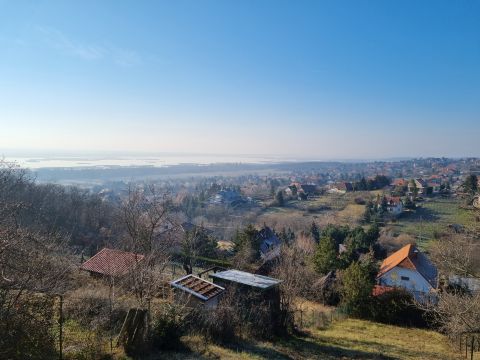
column 315, row 232
column 470, row 185
column 325, row 258
column 279, row 198
column 356, row 290
column 414, row 187
column 372, row 235
column 367, row 215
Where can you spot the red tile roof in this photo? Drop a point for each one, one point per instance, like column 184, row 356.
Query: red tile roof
column 400, row 182
column 111, row 262
column 380, row 290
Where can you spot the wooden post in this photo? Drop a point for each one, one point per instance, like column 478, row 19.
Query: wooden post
column 61, row 328
column 472, row 343
column 466, row 346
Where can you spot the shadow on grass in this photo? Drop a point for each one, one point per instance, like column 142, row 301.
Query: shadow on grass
column 421, row 214
column 310, row 348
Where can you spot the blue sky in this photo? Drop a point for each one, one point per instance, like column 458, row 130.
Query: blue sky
column 315, row 79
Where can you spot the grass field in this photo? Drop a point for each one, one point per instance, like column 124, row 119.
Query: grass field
column 433, row 217
column 324, row 209
column 345, row 339
column 430, row 219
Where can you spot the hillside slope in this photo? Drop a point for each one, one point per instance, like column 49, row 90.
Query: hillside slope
column 345, row 339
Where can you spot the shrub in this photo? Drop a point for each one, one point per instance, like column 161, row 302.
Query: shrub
column 397, row 307
column 356, row 289
column 27, row 328
column 167, row 328
column 360, row 201
column 91, row 308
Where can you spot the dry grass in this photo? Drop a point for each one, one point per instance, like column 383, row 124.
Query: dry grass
column 346, row 339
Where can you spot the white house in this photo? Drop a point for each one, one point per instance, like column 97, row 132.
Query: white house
column 411, row 270
column 394, row 205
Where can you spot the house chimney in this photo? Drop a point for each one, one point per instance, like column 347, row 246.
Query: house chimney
column 414, row 253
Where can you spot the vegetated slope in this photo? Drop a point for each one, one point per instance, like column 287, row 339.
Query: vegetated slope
column 345, row 339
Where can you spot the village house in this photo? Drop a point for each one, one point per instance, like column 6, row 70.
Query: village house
column 227, row 197
column 394, row 205
column 411, row 270
column 194, row 291
column 340, row 188
column 111, row 263
column 269, row 243
column 421, row 186
column 399, row 182
column 302, row 191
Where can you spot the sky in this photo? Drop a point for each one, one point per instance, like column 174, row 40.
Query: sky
column 312, row 79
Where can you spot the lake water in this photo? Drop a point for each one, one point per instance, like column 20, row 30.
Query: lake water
column 127, row 160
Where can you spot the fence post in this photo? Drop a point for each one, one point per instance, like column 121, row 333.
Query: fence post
column 466, row 346
column 472, row 343
column 61, row 328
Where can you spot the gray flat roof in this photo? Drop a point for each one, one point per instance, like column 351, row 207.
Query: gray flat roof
column 245, row 278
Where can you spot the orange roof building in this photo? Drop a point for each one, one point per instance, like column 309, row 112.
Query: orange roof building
column 410, row 269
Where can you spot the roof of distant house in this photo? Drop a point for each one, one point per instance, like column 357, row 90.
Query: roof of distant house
column 393, row 200
column 198, row 287
column 111, row 262
column 399, row 182
column 269, row 239
column 245, row 278
column 409, row 257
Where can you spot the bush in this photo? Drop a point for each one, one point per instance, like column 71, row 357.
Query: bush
column 27, row 329
column 360, row 201
column 167, row 328
column 218, row 325
column 91, row 308
column 397, row 307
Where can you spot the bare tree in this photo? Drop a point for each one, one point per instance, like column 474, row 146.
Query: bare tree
column 150, row 233
column 294, row 269
column 33, row 269
column 457, row 254
column 456, row 311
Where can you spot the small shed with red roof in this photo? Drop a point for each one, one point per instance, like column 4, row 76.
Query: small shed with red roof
column 111, row 262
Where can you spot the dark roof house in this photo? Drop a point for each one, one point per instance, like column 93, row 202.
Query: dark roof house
column 269, row 243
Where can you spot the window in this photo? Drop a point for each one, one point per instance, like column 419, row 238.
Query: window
column 405, row 278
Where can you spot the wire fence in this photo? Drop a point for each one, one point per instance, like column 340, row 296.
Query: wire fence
column 469, row 345
column 312, row 318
